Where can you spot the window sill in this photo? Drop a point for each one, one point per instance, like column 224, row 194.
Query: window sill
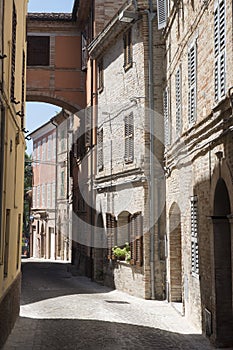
column 128, row 66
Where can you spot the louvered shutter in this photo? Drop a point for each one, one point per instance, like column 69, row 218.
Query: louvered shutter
column 139, row 238
column 13, row 53
column 23, row 90
column 129, row 138
column 219, row 50
column 192, row 73
column 111, row 233
column 88, row 132
column 178, row 101
column 166, row 117
column 100, row 150
column 162, row 13
column 136, row 239
column 194, row 236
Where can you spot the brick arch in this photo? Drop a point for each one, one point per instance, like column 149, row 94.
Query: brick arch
column 53, row 99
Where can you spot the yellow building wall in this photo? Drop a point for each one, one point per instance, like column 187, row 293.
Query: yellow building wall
column 13, row 167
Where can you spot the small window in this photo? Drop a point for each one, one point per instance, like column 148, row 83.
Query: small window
column 84, row 51
column 162, row 6
column 100, row 75
column 62, row 193
column 194, row 236
column 128, row 50
column 38, row 50
column 100, row 150
column 129, row 138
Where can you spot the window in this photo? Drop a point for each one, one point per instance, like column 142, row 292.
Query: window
column 88, row 130
column 192, row 77
column 53, row 196
column 100, row 136
column 62, row 135
column 194, row 236
column 167, row 137
column 44, row 149
column 38, row 50
column 43, row 195
column 178, row 101
column 100, row 71
column 84, row 51
column 219, row 49
column 49, row 195
column 23, row 91
column 38, row 197
column 62, row 193
column 129, row 138
column 13, row 53
column 162, row 13
column 136, row 239
column 111, row 233
column 34, row 194
column 49, row 154
column 128, row 51
column 38, row 152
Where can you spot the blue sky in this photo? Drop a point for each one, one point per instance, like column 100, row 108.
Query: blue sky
column 39, row 113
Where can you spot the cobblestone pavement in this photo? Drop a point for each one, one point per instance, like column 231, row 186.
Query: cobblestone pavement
column 61, row 311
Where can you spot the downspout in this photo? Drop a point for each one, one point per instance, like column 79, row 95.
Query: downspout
column 151, row 16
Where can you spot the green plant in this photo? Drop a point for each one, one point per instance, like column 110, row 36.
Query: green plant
column 122, row 253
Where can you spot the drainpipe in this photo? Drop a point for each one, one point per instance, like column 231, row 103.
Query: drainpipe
column 151, row 16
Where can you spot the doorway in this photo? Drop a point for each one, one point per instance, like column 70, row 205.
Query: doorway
column 223, row 265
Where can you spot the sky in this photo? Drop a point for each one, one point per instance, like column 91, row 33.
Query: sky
column 38, row 113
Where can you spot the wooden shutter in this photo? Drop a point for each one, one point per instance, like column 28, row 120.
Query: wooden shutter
column 129, row 138
column 100, row 69
column 23, row 91
column 136, row 239
column 178, row 100
column 13, row 53
column 128, row 49
column 194, row 236
column 88, row 131
column 100, row 150
column 219, row 50
column 162, row 13
column 166, row 117
column 192, row 84
column 111, row 233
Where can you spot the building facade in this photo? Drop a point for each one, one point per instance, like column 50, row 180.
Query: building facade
column 12, row 148
column 198, row 158
column 51, row 197
column 43, row 211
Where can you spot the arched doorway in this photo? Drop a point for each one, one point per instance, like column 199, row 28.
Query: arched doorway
column 222, row 263
column 175, row 249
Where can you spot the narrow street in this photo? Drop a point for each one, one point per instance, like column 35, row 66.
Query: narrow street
column 61, row 311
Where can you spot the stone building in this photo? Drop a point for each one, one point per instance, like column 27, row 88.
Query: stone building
column 121, row 94
column 198, row 160
column 12, row 148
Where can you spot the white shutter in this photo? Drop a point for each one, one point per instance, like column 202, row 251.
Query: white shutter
column 162, row 13
column 178, row 100
column 219, row 50
column 194, row 236
column 166, row 117
column 192, row 76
